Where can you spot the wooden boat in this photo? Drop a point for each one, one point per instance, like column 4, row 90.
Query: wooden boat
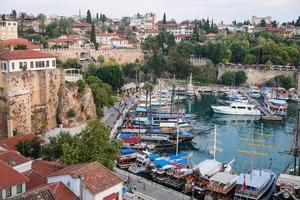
column 258, row 184
column 287, row 187
column 126, row 158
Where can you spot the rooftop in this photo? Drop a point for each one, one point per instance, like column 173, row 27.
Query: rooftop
column 13, row 158
column 11, row 142
column 97, row 178
column 24, row 54
column 44, row 194
column 10, row 177
column 19, row 41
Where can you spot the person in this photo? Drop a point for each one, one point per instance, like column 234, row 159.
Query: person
column 144, row 186
column 134, row 186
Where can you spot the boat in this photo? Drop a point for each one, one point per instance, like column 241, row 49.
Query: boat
column 258, row 184
column 288, row 187
column 126, row 158
column 221, row 186
column 254, row 93
column 142, row 163
column 237, row 109
column 190, row 88
column 276, row 106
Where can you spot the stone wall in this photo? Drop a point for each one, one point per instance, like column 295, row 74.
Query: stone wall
column 122, row 56
column 31, row 100
column 259, row 76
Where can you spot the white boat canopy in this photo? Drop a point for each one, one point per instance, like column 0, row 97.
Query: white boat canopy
column 224, row 178
column 209, row 167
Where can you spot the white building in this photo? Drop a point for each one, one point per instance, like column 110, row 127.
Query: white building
column 12, row 183
column 257, row 20
column 20, row 60
column 8, row 30
column 89, row 181
column 119, row 43
column 181, row 29
column 105, row 38
column 146, row 21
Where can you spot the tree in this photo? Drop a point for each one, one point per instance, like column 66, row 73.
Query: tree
column 238, row 52
column 41, row 19
column 14, row 14
column 93, row 35
column 262, row 23
column 274, row 23
column 88, row 17
column 286, row 82
column 164, row 21
column 97, row 16
column 101, row 59
column 250, row 59
column 240, row 77
column 52, row 30
column 297, row 23
column 71, row 63
column 228, row 78
column 112, row 75
column 30, row 149
column 206, row 74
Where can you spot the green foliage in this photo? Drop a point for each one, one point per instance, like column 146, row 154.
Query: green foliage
column 205, row 74
column 110, row 74
column 102, row 93
column 262, row 23
column 71, row 113
column 101, row 59
column 88, row 17
column 30, row 149
column 233, row 78
column 131, row 70
column 20, row 47
column 71, row 63
column 286, row 82
column 53, row 149
column 52, row 30
column 164, row 21
column 92, row 144
column 93, row 35
column 81, row 86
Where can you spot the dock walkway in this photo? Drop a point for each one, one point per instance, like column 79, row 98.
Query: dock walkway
column 151, row 190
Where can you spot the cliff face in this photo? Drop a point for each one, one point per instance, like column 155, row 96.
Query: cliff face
column 37, row 101
column 75, row 106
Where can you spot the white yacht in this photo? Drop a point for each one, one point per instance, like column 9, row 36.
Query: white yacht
column 254, row 93
column 236, row 108
column 190, row 88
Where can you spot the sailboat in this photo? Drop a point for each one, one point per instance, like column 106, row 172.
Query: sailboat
column 190, row 88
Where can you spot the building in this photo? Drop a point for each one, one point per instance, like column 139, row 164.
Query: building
column 11, row 142
column 19, row 42
column 257, row 20
column 16, row 160
column 12, row 183
column 67, row 41
column 146, row 21
column 19, row 60
column 180, row 37
column 118, row 42
column 8, row 30
column 89, row 181
column 180, row 29
column 105, row 38
column 81, row 27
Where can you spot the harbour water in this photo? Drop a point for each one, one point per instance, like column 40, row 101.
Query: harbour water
column 236, row 140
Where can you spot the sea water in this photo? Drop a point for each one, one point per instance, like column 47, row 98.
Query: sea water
column 236, row 140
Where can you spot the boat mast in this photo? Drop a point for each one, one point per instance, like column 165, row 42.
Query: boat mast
column 215, row 142
column 177, row 130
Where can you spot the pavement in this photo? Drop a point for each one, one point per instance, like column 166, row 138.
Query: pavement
column 148, row 190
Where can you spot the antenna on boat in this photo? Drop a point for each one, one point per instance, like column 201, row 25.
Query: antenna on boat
column 177, row 130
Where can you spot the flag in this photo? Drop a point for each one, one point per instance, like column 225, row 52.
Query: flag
column 244, row 188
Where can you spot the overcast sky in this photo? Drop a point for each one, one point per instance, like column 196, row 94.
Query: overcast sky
column 220, row 10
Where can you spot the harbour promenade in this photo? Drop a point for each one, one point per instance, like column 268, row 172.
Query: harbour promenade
column 148, row 190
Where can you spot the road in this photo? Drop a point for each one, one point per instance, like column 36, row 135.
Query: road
column 151, row 190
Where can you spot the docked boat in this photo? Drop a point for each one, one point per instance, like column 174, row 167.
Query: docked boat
column 142, row 163
column 287, row 187
column 126, row 158
column 190, row 88
column 221, row 186
column 276, row 106
column 237, row 109
column 254, row 93
column 258, row 184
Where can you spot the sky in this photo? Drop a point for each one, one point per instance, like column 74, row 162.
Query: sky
column 219, row 10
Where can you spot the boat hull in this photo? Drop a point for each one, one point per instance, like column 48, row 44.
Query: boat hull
column 228, row 111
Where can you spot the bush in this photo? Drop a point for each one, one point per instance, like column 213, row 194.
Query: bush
column 30, row 149
column 233, row 78
column 81, row 86
column 286, row 82
column 71, row 113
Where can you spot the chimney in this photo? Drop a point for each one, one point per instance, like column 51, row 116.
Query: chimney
column 10, row 128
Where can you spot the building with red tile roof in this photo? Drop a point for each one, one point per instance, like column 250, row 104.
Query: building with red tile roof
column 59, row 190
column 19, row 41
column 11, row 142
column 11, row 182
column 43, row 194
column 40, row 169
column 16, row 160
column 19, row 60
column 93, row 179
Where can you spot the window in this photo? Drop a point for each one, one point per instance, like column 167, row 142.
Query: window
column 249, row 108
column 8, row 192
column 53, row 63
column 36, row 64
column 31, row 64
column 19, row 188
column 25, row 64
column 239, row 107
column 9, row 24
column 14, row 24
column 0, row 194
column 4, row 66
column 233, row 107
column 13, row 66
column 47, row 63
column 20, row 65
column 43, row 63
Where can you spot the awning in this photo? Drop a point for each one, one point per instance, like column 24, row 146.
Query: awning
column 127, row 150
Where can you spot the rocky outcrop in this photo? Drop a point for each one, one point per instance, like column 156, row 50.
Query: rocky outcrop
column 37, row 101
column 75, row 106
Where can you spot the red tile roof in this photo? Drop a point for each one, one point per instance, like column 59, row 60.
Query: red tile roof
column 60, row 191
column 19, row 41
column 97, row 178
column 39, row 171
column 13, row 158
column 82, row 25
column 44, row 194
column 10, row 143
column 108, row 34
column 10, row 177
column 24, row 54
